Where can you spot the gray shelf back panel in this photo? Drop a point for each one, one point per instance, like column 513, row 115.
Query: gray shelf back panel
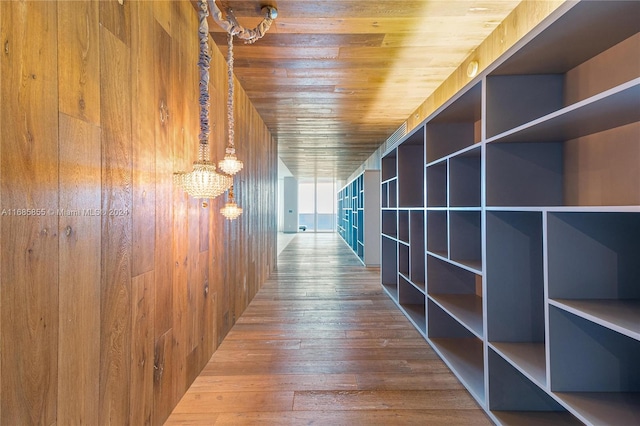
column 403, row 259
column 389, row 223
column 437, row 236
column 515, row 277
column 525, row 174
column 594, row 255
column 410, row 175
column 388, row 166
column 465, row 237
column 445, row 278
column 615, row 108
column 510, row 390
column 513, row 100
column 417, row 247
column 465, row 179
column 389, row 274
column 586, row 357
column 437, row 185
column 403, row 225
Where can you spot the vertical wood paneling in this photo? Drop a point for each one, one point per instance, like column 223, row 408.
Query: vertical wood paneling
column 79, row 59
column 29, row 179
column 163, row 377
column 79, row 335
column 79, row 191
column 142, row 349
column 143, row 297
column 144, row 113
column 163, row 184
column 115, row 16
column 180, row 228
column 115, row 341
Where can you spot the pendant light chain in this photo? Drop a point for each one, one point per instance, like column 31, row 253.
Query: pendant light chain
column 204, row 60
column 230, row 118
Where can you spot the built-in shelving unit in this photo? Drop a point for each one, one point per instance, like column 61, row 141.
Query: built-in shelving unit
column 511, row 224
column 358, row 216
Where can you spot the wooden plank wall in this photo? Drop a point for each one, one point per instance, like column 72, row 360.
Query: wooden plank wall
column 107, row 319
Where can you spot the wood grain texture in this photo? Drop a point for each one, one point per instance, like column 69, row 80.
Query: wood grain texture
column 106, row 318
column 142, row 349
column 115, row 306
column 79, row 191
column 371, row 63
column 163, row 184
column 79, row 334
column 79, row 60
column 29, row 257
column 143, row 116
column 302, row 353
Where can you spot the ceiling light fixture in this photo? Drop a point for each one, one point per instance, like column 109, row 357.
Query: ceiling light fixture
column 231, row 209
column 230, row 164
column 203, row 181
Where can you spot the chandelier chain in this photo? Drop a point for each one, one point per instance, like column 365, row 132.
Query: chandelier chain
column 230, row 117
column 203, row 65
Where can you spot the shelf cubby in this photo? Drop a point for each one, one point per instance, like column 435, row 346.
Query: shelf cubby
column 390, row 223
column 388, row 166
column 403, row 225
column 594, row 370
column 389, row 266
column 384, row 195
column 456, row 126
column 577, row 172
column 461, row 350
column 465, row 238
column 520, row 99
column 437, row 233
column 412, row 301
column 594, row 269
column 411, row 170
column 515, row 277
column 417, row 248
column 525, row 174
column 458, row 291
column 393, row 193
column 465, row 179
column 515, row 400
column 437, row 185
column 403, row 259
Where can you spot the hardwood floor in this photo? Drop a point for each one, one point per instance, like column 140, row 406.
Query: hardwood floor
column 322, row 344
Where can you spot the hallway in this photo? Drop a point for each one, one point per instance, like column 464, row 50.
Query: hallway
column 322, row 344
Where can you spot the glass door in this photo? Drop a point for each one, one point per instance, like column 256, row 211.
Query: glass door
column 316, row 205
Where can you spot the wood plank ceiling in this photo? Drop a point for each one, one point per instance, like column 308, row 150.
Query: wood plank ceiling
column 333, row 79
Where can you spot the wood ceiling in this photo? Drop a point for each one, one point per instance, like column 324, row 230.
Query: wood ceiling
column 333, row 79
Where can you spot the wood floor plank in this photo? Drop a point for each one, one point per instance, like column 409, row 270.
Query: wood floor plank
column 382, row 400
column 346, row 418
column 322, row 344
column 276, row 382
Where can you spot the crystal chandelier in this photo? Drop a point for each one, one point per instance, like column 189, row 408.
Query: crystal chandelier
column 230, row 164
column 231, row 209
column 203, row 181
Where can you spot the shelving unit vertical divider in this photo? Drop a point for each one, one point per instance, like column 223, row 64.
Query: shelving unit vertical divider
column 483, row 225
